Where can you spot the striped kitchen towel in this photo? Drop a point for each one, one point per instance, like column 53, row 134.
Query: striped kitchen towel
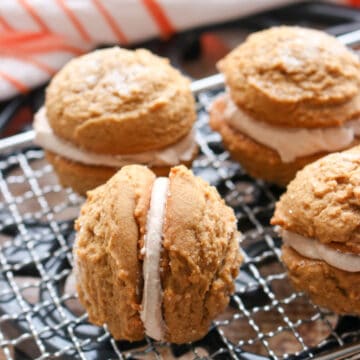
column 37, row 37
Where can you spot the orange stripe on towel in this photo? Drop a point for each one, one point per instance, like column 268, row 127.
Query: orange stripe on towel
column 31, row 11
column 160, row 17
column 111, row 22
column 5, row 24
column 75, row 21
column 16, row 83
column 26, row 44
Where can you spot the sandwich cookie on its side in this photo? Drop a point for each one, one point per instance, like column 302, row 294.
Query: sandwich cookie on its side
column 293, row 96
column 112, row 108
column 156, row 256
column 319, row 220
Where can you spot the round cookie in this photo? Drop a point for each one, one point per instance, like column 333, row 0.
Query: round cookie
column 292, row 96
column 117, row 101
column 319, row 219
column 324, row 192
column 199, row 257
column 116, row 107
column 294, row 77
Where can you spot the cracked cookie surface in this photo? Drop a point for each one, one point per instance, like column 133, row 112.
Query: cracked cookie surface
column 294, row 77
column 199, row 260
column 117, row 101
column 200, row 257
column 323, row 201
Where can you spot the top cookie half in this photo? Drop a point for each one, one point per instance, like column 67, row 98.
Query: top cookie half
column 117, row 101
column 294, row 77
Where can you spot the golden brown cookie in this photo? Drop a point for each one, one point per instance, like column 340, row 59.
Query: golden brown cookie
column 318, row 217
column 119, row 106
column 83, row 177
column 294, row 77
column 323, row 200
column 199, row 258
column 327, row 286
column 118, row 101
column 110, row 228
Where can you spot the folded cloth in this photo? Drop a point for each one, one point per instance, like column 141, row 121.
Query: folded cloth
column 37, row 37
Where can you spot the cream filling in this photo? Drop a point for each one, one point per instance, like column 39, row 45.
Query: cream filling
column 316, row 250
column 151, row 312
column 291, row 143
column 171, row 155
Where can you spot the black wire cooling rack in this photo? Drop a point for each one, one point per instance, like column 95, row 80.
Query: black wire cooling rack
column 40, row 317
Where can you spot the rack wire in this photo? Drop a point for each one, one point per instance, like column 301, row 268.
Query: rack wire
column 41, row 318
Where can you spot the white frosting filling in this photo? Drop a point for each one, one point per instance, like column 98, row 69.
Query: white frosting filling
column 171, row 155
column 151, row 313
column 291, row 143
column 316, row 250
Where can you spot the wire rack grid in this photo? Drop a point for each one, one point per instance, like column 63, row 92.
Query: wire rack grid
column 40, row 317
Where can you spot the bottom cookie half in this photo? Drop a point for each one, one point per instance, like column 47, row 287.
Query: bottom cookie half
column 327, row 286
column 82, row 177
